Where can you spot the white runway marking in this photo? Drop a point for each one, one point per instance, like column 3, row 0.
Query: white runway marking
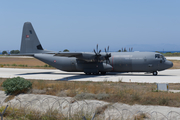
column 167, row 76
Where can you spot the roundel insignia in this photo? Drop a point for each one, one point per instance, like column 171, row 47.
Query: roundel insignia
column 54, row 61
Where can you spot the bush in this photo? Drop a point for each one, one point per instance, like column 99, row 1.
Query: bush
column 102, row 96
column 16, row 85
column 85, row 96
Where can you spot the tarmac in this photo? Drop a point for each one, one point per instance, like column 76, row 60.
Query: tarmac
column 167, row 76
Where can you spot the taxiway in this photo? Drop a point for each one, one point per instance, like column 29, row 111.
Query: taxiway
column 167, row 76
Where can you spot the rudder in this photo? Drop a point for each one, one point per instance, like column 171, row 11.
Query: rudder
column 30, row 42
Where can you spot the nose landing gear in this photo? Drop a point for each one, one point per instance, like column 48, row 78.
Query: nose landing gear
column 155, row 73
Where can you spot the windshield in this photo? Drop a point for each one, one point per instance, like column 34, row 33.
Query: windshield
column 159, row 56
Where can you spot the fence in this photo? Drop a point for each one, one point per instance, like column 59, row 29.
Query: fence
column 68, row 108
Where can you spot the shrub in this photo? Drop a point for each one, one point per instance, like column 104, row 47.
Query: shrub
column 36, row 91
column 61, row 94
column 85, row 96
column 45, row 65
column 163, row 101
column 16, row 85
column 13, row 65
column 102, row 96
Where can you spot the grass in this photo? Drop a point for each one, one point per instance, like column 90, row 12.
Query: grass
column 19, row 114
column 23, row 63
column 176, row 64
column 171, row 54
column 129, row 93
column 31, row 114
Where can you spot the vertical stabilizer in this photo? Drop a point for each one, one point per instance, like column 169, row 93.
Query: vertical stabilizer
column 30, row 42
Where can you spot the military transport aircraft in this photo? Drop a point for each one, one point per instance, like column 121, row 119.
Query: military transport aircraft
column 96, row 62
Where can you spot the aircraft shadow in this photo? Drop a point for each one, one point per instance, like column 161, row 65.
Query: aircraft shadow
column 82, row 76
column 77, row 76
column 49, row 73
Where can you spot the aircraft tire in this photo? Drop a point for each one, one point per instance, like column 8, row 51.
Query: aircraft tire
column 87, row 73
column 103, row 73
column 155, row 73
column 96, row 73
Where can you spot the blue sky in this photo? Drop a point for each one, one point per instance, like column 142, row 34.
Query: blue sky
column 78, row 25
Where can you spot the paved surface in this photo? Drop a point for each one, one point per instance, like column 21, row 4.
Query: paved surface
column 167, row 76
column 173, row 58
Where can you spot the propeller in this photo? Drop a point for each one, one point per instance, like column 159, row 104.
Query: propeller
column 97, row 53
column 108, row 55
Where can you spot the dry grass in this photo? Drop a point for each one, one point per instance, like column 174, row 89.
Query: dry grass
column 31, row 114
column 129, row 93
column 22, row 63
column 176, row 64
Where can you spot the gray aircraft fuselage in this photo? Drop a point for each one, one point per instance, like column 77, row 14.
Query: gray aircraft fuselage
column 119, row 62
column 92, row 62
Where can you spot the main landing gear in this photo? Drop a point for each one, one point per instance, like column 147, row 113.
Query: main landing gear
column 155, row 73
column 102, row 73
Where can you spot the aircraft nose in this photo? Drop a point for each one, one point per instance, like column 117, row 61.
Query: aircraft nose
column 169, row 64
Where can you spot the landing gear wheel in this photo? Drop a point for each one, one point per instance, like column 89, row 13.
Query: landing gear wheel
column 155, row 73
column 96, row 73
column 103, row 73
column 87, row 73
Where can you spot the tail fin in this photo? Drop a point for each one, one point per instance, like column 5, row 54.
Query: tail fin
column 30, row 42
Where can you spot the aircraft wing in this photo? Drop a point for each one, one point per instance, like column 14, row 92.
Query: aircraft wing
column 88, row 57
column 68, row 54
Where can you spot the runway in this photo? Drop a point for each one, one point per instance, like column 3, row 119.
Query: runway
column 173, row 58
column 167, row 76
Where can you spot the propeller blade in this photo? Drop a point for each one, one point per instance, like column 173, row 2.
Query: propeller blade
column 95, row 51
column 108, row 49
column 105, row 49
column 97, row 48
column 99, row 51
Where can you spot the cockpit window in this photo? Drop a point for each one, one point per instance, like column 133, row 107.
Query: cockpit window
column 159, row 56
